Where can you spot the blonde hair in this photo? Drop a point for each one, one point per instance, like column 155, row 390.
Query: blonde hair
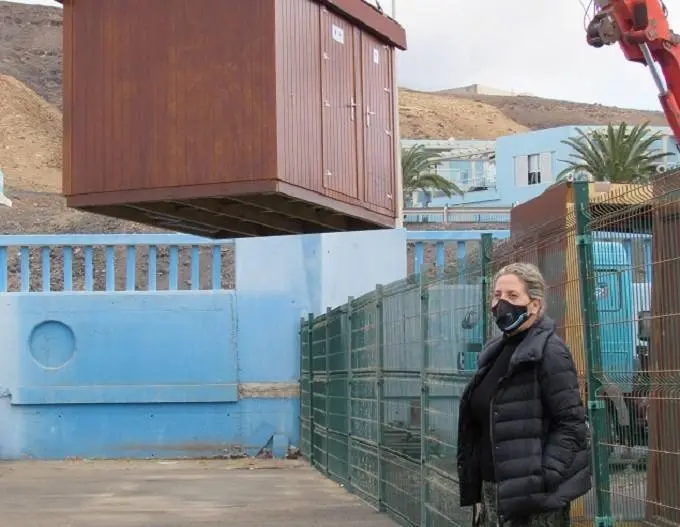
column 531, row 277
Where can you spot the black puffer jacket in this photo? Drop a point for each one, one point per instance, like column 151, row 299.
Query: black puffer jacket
column 539, row 432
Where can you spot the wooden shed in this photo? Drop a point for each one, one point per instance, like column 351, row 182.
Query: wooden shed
column 232, row 118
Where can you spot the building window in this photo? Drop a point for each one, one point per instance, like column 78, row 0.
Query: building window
column 533, row 169
column 534, row 172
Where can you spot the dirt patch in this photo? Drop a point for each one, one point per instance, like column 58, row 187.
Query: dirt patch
column 30, row 137
column 30, row 47
column 433, row 116
column 537, row 113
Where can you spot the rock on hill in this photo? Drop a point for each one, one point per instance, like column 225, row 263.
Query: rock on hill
column 30, row 47
column 31, row 158
column 536, row 112
column 434, row 116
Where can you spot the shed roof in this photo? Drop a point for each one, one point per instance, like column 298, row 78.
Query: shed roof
column 370, row 18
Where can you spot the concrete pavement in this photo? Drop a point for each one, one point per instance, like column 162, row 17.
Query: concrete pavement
column 176, row 494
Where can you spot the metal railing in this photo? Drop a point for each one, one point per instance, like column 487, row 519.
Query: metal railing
column 467, row 179
column 479, row 215
column 381, row 376
column 113, row 262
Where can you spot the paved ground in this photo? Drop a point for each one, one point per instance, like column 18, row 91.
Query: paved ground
column 176, row 494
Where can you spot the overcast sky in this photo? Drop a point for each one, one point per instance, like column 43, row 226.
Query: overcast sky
column 535, row 46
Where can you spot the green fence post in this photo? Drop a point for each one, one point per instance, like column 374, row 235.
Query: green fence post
column 380, row 385
column 327, row 400
column 348, row 350
column 593, row 350
column 310, row 343
column 486, row 248
column 303, row 358
column 424, row 394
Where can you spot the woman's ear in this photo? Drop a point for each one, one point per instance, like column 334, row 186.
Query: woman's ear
column 536, row 305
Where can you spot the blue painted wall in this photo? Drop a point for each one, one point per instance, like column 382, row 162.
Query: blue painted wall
column 536, row 142
column 170, row 373
column 135, row 374
column 319, row 271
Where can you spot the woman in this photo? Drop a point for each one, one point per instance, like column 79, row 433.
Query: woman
column 522, row 437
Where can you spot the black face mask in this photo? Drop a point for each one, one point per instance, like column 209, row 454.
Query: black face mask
column 509, row 316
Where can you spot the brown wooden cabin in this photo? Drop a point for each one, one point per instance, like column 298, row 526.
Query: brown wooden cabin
column 232, row 118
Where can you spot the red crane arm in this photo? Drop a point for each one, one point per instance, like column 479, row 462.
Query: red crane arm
column 641, row 29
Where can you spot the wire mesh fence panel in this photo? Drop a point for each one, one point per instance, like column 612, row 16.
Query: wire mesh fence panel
column 363, row 399
column 337, row 441
column 319, row 384
column 364, row 471
column 636, row 252
column 400, row 434
column 453, row 335
column 382, row 377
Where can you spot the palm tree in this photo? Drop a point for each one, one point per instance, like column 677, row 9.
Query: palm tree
column 418, row 173
column 618, row 154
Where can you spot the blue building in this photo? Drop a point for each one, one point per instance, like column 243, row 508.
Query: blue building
column 470, row 164
column 511, row 170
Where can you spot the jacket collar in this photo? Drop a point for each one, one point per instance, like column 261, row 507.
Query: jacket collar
column 529, row 350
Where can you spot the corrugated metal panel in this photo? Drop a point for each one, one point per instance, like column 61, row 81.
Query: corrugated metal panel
column 298, row 52
column 168, row 94
column 339, row 105
column 378, row 123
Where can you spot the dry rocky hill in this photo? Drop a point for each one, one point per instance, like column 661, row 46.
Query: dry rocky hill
column 30, row 122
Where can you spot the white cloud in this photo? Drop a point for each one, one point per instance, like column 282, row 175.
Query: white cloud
column 535, row 46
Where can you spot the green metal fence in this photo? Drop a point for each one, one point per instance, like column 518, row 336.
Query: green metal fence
column 382, row 376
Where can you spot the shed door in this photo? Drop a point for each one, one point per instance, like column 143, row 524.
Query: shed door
column 338, row 100
column 378, row 122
